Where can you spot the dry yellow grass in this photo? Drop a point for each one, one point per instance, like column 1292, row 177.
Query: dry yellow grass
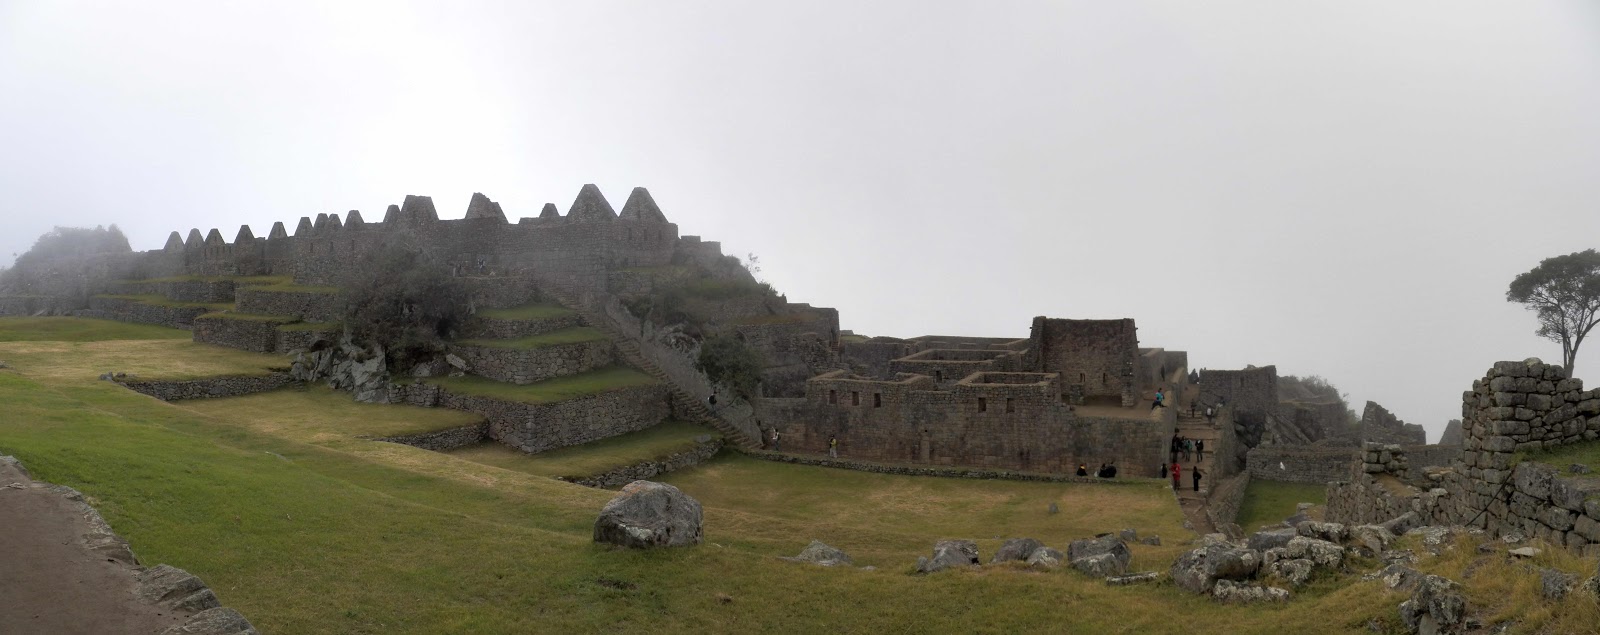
column 144, row 359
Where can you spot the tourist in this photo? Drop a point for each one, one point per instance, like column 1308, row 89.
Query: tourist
column 1199, row 449
column 777, row 442
column 1111, row 470
column 833, row 446
column 1100, row 473
column 1083, row 470
column 1157, row 403
column 1177, row 444
column 1188, row 449
column 1195, row 474
column 1177, row 479
column 1211, row 415
column 1163, row 470
column 1193, row 403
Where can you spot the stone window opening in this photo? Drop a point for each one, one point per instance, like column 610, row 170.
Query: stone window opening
column 855, row 398
column 877, row 400
column 983, row 405
column 938, row 375
column 1082, row 378
column 1103, row 380
column 833, row 397
column 1011, row 405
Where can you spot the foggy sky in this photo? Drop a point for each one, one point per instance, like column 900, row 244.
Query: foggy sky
column 1337, row 188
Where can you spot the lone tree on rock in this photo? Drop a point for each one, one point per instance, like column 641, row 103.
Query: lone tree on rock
column 1565, row 292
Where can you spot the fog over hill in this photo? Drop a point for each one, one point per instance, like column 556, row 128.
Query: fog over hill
column 1343, row 191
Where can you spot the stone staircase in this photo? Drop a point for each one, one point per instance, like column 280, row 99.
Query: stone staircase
column 683, row 403
column 1194, row 503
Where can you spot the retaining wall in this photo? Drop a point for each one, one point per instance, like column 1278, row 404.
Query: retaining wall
column 444, row 440
column 493, row 329
column 210, row 387
column 1300, row 464
column 259, row 336
column 304, row 305
column 525, row 366
column 534, row 428
column 649, row 469
column 126, row 310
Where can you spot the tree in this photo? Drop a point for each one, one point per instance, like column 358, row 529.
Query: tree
column 1564, row 292
column 406, row 300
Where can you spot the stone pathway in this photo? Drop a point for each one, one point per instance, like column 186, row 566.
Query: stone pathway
column 1194, row 503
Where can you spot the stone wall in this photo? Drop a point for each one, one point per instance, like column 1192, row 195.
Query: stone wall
column 33, row 305
column 127, row 310
column 1452, row 433
column 528, row 365
column 1252, row 393
column 871, row 358
column 303, row 305
column 1517, row 407
column 997, row 420
column 929, row 470
column 649, row 469
column 534, row 428
column 493, row 329
column 444, row 440
column 947, row 366
column 1378, row 425
column 210, row 387
column 293, row 339
column 1300, row 464
column 259, row 336
column 1098, row 355
column 1225, row 497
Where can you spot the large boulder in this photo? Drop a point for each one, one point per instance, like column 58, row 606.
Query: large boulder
column 1103, row 556
column 1198, row 571
column 1046, row 558
column 821, row 554
column 1436, row 607
column 1321, row 552
column 1372, row 540
column 1296, row 572
column 1230, row 592
column 1555, row 585
column 950, row 553
column 1331, row 532
column 646, row 514
column 1403, row 523
column 1016, row 549
column 172, row 587
column 217, row 621
column 1400, row 577
column 1264, row 540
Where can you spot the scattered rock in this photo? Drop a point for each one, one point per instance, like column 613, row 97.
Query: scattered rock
column 1436, row 606
column 1154, row 541
column 1231, row 530
column 646, row 514
column 1401, row 556
column 1103, row 556
column 821, row 554
column 1198, row 571
column 1575, row 468
column 1399, row 577
column 217, row 621
column 950, row 553
column 1513, row 538
column 1555, row 585
column 1434, row 537
column 1321, row 552
column 1303, row 507
column 1230, row 592
column 1046, row 558
column 1331, row 532
column 1053, row 509
column 1016, row 549
column 1372, row 539
column 1264, row 540
column 1209, row 540
column 1525, row 552
column 1296, row 520
column 1273, row 555
column 1133, row 578
column 1403, row 523
column 455, row 362
column 1296, row 572
column 1129, row 535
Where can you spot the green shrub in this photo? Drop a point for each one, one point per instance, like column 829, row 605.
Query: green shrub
column 405, row 300
column 728, row 360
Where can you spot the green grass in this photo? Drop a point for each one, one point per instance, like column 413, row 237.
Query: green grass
column 160, row 300
column 570, row 335
column 590, row 459
column 526, row 312
column 1564, row 456
column 65, row 329
column 314, row 411
column 249, row 317
column 550, row 390
column 291, row 287
column 1270, row 502
column 237, row 280
column 312, row 326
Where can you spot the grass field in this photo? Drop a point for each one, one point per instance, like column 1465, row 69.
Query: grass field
column 312, row 326
column 318, row 413
column 160, row 300
column 571, row 335
column 526, row 312
column 594, row 458
column 307, row 529
column 1269, row 502
column 550, row 390
column 54, row 329
column 1565, row 456
column 77, row 348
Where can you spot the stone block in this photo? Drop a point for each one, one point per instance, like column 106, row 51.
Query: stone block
column 1500, row 444
column 1534, row 479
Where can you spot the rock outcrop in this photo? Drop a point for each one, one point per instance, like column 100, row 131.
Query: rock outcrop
column 646, row 514
column 950, row 553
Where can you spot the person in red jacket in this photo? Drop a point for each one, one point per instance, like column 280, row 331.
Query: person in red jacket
column 1177, row 481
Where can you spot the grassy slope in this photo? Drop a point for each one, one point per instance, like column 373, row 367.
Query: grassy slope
column 159, row 300
column 550, row 390
column 313, row 533
column 319, row 413
column 571, row 335
column 1269, row 502
column 1564, row 456
column 54, row 329
column 594, row 458
column 526, row 312
column 248, row 317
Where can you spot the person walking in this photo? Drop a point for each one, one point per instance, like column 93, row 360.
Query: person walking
column 1211, row 415
column 1177, row 442
column 777, row 441
column 1196, row 475
column 1188, row 449
column 833, row 446
column 1177, row 480
column 1163, row 470
column 1199, row 449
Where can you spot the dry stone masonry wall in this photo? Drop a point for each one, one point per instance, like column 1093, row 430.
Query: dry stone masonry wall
column 525, row 366
column 1300, row 464
column 255, row 335
column 444, row 440
column 534, row 428
column 209, row 388
column 303, row 305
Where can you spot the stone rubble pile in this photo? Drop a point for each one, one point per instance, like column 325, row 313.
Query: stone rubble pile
column 363, row 371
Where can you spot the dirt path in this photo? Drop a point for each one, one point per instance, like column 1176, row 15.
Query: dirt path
column 53, row 583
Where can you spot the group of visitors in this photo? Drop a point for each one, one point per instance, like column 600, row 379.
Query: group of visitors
column 1190, row 449
column 1177, row 475
column 1107, row 470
